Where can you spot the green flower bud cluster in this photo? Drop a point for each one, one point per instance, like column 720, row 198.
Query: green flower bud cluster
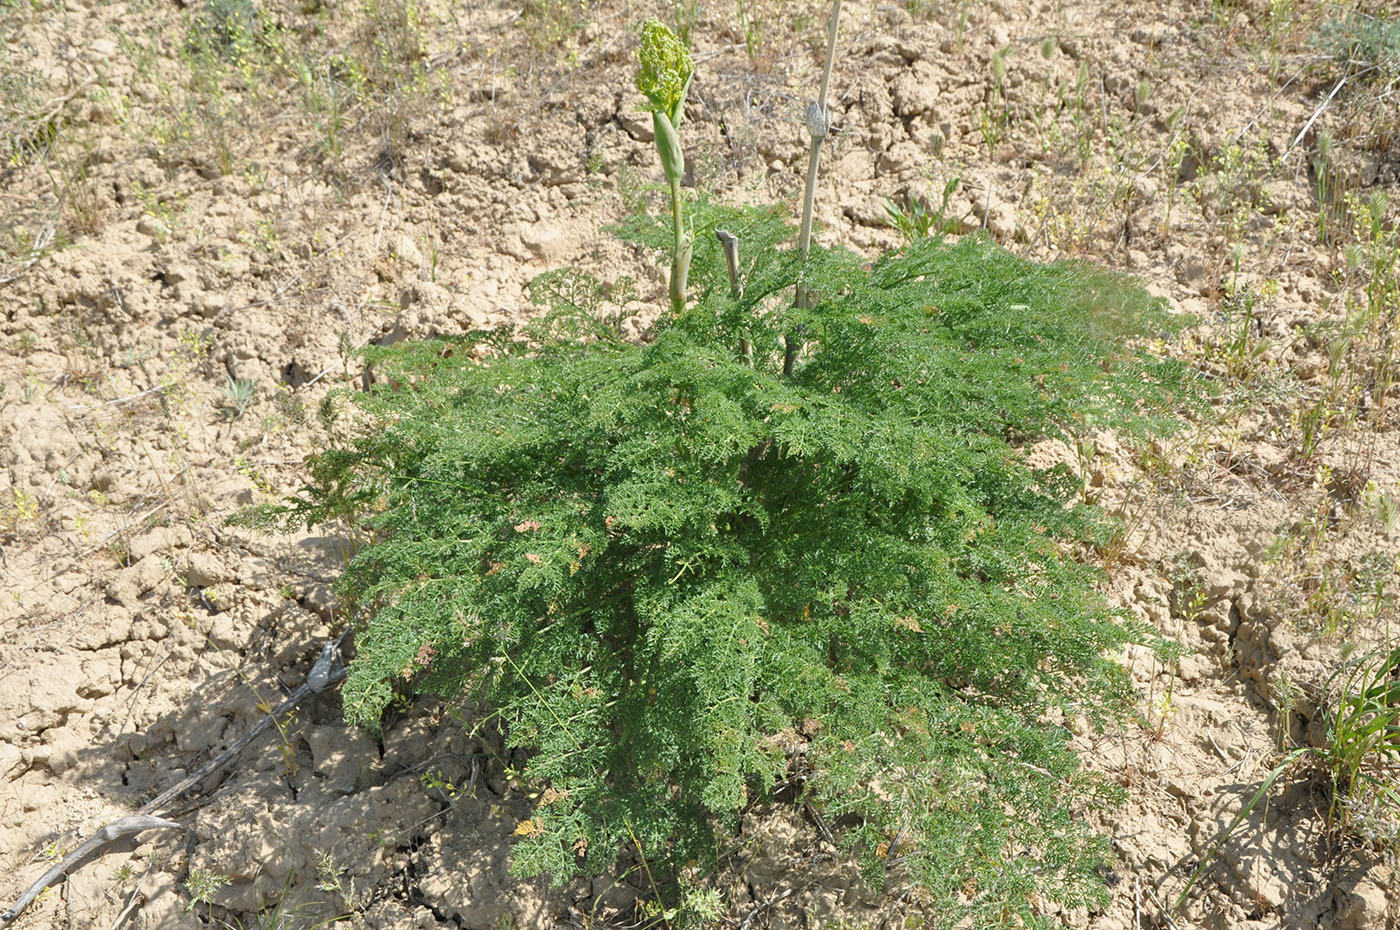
column 664, row 78
column 666, row 70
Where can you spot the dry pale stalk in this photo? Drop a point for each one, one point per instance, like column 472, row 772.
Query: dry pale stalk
column 818, row 124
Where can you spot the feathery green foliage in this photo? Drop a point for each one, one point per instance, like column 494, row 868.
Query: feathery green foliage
column 680, row 579
column 1366, row 42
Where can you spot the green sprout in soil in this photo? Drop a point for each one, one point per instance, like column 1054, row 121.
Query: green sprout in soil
column 238, row 395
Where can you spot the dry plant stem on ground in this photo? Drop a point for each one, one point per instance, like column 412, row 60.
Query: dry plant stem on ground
column 323, row 675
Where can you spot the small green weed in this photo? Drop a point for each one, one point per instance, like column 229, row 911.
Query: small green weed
column 551, row 27
column 916, row 220
column 1363, row 744
column 202, row 886
column 331, row 878
column 391, row 49
column 1368, row 40
column 996, row 111
column 238, row 395
column 1366, row 51
column 1241, row 346
column 23, row 510
column 1373, row 267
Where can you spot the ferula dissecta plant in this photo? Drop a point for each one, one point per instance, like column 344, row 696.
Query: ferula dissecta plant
column 652, row 563
column 664, row 77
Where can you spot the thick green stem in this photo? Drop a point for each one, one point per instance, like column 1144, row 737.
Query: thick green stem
column 680, row 253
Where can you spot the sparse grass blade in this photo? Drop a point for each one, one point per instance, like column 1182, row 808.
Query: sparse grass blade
column 1259, row 795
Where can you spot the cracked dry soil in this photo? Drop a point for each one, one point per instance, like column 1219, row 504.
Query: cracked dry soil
column 194, row 248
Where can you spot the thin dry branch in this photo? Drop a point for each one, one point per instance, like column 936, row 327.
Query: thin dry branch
column 325, row 673
column 129, row 825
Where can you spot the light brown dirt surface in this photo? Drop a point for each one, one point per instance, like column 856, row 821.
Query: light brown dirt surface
column 192, row 246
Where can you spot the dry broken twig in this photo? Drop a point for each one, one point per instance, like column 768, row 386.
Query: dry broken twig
column 326, row 672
